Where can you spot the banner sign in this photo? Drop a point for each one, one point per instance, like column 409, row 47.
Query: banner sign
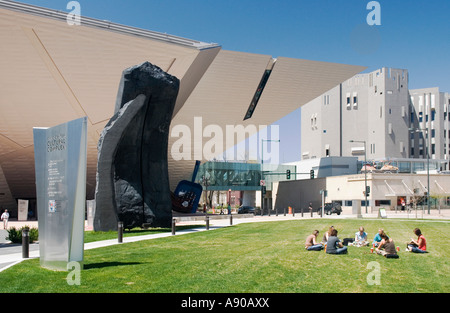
column 22, row 206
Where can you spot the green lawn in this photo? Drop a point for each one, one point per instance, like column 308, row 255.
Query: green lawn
column 254, row 257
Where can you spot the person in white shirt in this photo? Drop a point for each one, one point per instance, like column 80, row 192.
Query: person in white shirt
column 361, row 238
column 5, row 218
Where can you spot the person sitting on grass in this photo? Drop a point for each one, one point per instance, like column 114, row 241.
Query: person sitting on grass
column 419, row 246
column 311, row 244
column 377, row 239
column 386, row 247
column 334, row 244
column 360, row 238
column 327, row 234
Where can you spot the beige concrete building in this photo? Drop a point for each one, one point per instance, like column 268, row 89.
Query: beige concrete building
column 371, row 107
column 386, row 191
column 430, row 113
column 377, row 108
column 389, row 125
column 53, row 72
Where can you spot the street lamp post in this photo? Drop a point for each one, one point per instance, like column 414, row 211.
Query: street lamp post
column 205, row 183
column 262, row 171
column 428, row 162
column 365, row 170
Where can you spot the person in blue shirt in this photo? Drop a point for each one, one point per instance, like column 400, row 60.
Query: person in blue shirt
column 377, row 239
column 361, row 238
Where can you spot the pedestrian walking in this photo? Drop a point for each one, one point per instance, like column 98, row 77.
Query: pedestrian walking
column 5, row 218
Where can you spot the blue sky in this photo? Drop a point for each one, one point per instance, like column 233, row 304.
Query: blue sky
column 413, row 34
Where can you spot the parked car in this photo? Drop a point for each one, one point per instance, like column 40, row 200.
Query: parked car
column 331, row 208
column 244, row 209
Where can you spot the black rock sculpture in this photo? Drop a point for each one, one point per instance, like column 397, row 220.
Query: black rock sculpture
column 132, row 171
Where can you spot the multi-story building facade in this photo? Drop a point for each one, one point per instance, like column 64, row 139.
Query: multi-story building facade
column 380, row 115
column 430, row 114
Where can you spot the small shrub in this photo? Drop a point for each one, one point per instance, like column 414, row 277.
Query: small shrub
column 34, row 234
column 15, row 235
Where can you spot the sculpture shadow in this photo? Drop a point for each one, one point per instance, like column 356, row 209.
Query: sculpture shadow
column 91, row 266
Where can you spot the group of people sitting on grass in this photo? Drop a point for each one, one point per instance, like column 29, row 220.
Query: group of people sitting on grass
column 382, row 243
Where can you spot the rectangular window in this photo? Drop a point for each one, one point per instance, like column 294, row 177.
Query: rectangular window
column 314, row 121
column 258, row 93
column 382, row 202
column 418, row 166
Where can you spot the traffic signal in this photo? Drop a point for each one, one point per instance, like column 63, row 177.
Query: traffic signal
column 288, row 174
column 367, row 190
column 311, row 174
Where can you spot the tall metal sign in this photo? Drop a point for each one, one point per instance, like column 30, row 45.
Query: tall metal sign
column 60, row 164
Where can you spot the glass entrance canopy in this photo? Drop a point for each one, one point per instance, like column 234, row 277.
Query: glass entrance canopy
column 241, row 176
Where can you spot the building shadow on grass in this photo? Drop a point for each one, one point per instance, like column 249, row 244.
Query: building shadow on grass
column 91, row 266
